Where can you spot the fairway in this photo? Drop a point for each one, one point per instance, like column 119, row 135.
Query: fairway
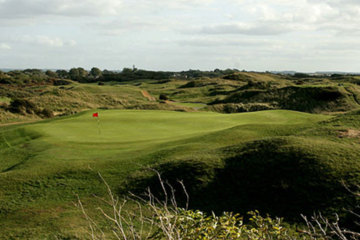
column 44, row 164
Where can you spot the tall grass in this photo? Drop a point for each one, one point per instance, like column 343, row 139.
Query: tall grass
column 151, row 217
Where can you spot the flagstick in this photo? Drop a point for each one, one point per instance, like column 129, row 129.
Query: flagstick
column 98, row 123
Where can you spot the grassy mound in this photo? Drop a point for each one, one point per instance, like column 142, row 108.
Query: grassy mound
column 299, row 98
column 44, row 101
column 283, row 176
column 289, row 176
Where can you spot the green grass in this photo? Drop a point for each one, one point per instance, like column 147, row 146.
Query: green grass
column 43, row 165
column 262, row 160
column 306, row 98
column 5, row 100
column 253, row 91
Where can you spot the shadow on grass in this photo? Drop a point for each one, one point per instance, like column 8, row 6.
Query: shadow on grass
column 272, row 176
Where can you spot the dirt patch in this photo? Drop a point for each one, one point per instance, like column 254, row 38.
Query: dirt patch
column 148, row 96
column 349, row 133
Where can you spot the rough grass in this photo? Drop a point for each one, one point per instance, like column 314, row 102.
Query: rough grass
column 44, row 165
column 301, row 98
column 189, row 105
column 260, row 160
column 5, row 100
column 241, row 92
column 75, row 97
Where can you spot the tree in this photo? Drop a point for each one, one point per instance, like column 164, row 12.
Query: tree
column 4, row 78
column 301, row 75
column 33, row 71
column 51, row 74
column 82, row 72
column 95, row 72
column 74, row 73
column 78, row 74
column 62, row 74
column 127, row 71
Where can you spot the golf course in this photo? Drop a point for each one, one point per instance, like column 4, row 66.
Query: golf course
column 179, row 120
column 280, row 151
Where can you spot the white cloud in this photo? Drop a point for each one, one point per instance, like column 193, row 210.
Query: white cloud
column 45, row 41
column 15, row 9
column 52, row 42
column 5, row 46
column 274, row 17
column 122, row 25
column 246, row 28
column 205, row 42
column 161, row 5
column 71, row 43
column 29, row 8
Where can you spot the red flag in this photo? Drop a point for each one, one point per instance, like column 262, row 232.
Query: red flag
column 95, row 114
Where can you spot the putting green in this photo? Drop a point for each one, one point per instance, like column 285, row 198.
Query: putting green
column 127, row 134
column 128, row 126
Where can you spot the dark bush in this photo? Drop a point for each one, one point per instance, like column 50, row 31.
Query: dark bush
column 163, row 81
column 328, row 95
column 22, row 106
column 5, row 81
column 46, row 113
column 189, row 85
column 301, row 75
column 197, row 83
column 59, row 82
column 163, row 97
column 238, row 77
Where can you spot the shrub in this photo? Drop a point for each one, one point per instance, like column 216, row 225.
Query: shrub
column 60, row 82
column 47, row 113
column 301, row 75
column 164, row 219
column 22, row 106
column 163, row 97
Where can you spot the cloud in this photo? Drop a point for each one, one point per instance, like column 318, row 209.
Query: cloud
column 45, row 41
column 168, row 5
column 275, row 17
column 5, row 46
column 11, row 9
column 336, row 45
column 227, row 43
column 120, row 26
column 246, row 28
column 18, row 9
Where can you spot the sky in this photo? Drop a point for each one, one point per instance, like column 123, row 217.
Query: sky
column 174, row 35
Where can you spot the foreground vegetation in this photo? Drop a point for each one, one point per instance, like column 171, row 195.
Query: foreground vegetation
column 281, row 162
column 162, row 218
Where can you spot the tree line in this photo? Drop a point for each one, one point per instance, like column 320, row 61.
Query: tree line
column 95, row 74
